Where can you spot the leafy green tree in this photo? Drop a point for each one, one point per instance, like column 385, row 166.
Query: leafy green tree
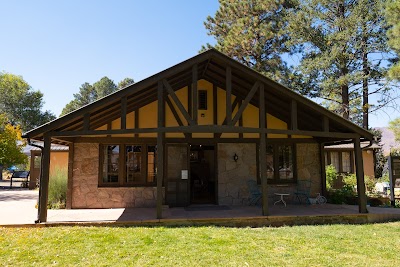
column 21, row 104
column 342, row 46
column 89, row 93
column 252, row 32
column 10, row 150
column 395, row 127
column 393, row 18
column 125, row 83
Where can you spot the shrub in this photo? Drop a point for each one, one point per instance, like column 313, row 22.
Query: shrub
column 331, row 175
column 58, row 188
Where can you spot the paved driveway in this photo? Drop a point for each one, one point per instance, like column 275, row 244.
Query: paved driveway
column 17, row 206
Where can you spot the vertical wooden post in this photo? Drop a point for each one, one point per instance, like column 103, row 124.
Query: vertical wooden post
column 44, row 180
column 195, row 104
column 262, row 153
column 323, row 172
column 160, row 148
column 228, row 95
column 215, row 107
column 325, row 124
column 362, row 198
column 86, row 121
column 294, row 115
column 70, row 175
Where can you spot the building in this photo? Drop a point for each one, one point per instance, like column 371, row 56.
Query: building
column 195, row 133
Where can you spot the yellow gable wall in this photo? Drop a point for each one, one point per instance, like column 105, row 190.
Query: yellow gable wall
column 148, row 116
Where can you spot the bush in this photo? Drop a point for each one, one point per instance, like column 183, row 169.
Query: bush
column 331, row 175
column 58, row 188
column 345, row 195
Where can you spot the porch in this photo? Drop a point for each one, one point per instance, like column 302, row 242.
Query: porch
column 228, row 216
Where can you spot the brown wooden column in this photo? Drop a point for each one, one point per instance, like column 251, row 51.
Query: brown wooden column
column 262, row 153
column 160, row 148
column 70, row 175
column 44, row 180
column 228, row 95
column 362, row 197
column 323, row 172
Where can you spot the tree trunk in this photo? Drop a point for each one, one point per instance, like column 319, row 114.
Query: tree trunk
column 1, row 172
column 365, row 104
column 345, row 101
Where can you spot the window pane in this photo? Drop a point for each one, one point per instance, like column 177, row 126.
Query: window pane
column 346, row 163
column 285, row 162
column 335, row 160
column 151, row 164
column 110, row 163
column 134, row 164
column 270, row 162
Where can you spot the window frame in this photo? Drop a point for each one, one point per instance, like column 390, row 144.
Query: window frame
column 276, row 178
column 122, row 165
column 329, row 162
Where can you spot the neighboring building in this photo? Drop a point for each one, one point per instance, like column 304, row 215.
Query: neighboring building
column 342, row 157
column 58, row 161
column 194, row 133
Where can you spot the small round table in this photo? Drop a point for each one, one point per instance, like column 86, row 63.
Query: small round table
column 281, row 198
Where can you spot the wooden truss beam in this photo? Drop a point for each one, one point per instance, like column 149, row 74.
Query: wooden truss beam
column 245, row 103
column 178, row 103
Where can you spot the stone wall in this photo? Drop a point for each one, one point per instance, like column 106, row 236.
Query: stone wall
column 232, row 176
column 87, row 194
column 309, row 165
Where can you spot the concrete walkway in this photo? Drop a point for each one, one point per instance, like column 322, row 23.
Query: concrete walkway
column 17, row 207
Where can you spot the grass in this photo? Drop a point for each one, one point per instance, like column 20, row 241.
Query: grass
column 334, row 245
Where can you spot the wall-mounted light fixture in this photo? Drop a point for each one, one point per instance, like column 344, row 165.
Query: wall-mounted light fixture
column 235, row 157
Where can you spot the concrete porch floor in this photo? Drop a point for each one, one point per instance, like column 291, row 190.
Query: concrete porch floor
column 17, row 208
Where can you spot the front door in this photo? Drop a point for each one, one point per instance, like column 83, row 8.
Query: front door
column 177, row 176
column 202, row 174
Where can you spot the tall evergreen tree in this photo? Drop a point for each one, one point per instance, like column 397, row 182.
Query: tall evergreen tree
column 393, row 18
column 125, row 83
column 89, row 93
column 343, row 46
column 252, row 32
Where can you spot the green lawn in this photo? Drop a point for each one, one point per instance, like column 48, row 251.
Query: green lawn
column 335, row 245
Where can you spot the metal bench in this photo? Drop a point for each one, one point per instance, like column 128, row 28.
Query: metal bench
column 20, row 175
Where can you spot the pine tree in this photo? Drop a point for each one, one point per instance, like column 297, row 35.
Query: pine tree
column 343, row 46
column 252, row 33
column 393, row 18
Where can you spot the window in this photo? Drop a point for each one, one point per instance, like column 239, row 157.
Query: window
column 341, row 160
column 280, row 163
column 202, row 100
column 110, row 163
column 133, row 164
column 128, row 165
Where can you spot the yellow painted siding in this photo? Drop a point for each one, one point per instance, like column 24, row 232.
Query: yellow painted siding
column 221, row 98
column 148, row 118
column 205, row 117
column 170, row 120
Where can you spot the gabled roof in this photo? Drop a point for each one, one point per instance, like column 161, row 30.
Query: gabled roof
column 210, row 65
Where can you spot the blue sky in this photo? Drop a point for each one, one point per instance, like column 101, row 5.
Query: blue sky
column 58, row 45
